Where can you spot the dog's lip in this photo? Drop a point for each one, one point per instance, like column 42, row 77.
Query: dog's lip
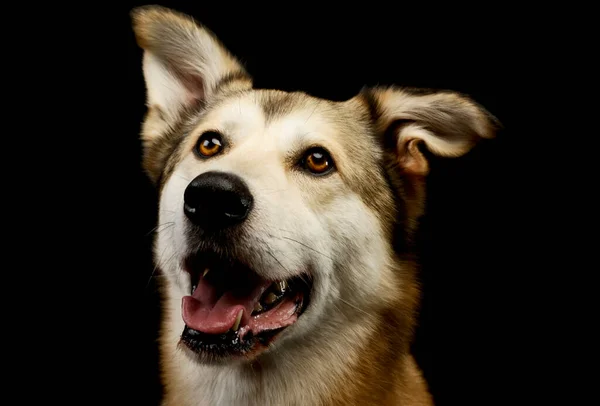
column 228, row 294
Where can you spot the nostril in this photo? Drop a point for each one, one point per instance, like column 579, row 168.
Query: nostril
column 191, row 200
column 236, row 207
column 189, row 209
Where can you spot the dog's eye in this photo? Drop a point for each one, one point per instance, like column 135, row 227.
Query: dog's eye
column 209, row 144
column 318, row 161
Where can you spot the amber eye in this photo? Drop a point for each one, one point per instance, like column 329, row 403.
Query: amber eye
column 318, row 161
column 209, row 144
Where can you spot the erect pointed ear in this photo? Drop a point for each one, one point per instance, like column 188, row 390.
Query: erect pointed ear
column 183, row 64
column 446, row 123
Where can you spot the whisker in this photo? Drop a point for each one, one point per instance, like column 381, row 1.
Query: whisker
column 284, row 230
column 310, row 248
column 165, row 265
column 275, row 258
column 302, row 277
column 168, row 224
column 182, row 177
column 304, row 245
column 155, row 268
column 160, row 275
column 351, row 305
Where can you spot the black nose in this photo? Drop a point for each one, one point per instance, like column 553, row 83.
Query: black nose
column 215, row 200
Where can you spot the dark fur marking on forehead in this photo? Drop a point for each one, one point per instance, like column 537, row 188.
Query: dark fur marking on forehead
column 232, row 77
column 277, row 104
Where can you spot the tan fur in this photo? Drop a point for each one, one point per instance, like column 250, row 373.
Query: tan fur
column 355, row 227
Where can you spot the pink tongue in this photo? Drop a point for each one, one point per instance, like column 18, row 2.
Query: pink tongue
column 204, row 312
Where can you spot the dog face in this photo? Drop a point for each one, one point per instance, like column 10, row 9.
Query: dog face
column 282, row 216
column 292, row 196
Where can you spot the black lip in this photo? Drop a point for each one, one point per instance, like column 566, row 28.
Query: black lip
column 213, row 348
column 219, row 345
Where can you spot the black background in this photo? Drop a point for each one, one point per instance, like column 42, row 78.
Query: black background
column 471, row 318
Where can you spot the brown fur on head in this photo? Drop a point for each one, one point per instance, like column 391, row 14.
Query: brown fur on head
column 350, row 230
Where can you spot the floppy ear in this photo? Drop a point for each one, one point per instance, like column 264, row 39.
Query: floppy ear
column 446, row 123
column 183, row 64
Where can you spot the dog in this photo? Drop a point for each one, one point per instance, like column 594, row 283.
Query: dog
column 286, row 226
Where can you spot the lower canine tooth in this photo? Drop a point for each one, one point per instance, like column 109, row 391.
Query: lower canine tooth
column 236, row 325
column 205, row 272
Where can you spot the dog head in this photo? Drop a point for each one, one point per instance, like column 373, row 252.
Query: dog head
column 282, row 216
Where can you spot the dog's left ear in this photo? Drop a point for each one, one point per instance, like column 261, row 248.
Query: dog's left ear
column 448, row 124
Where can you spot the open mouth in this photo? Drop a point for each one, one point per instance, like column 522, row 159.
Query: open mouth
column 233, row 311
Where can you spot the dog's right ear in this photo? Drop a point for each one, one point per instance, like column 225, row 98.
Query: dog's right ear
column 183, row 65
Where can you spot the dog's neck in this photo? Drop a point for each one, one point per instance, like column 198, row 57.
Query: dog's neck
column 362, row 359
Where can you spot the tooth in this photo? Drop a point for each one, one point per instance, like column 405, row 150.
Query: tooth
column 271, row 298
column 205, row 272
column 283, row 286
column 236, row 325
column 280, row 287
column 258, row 308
